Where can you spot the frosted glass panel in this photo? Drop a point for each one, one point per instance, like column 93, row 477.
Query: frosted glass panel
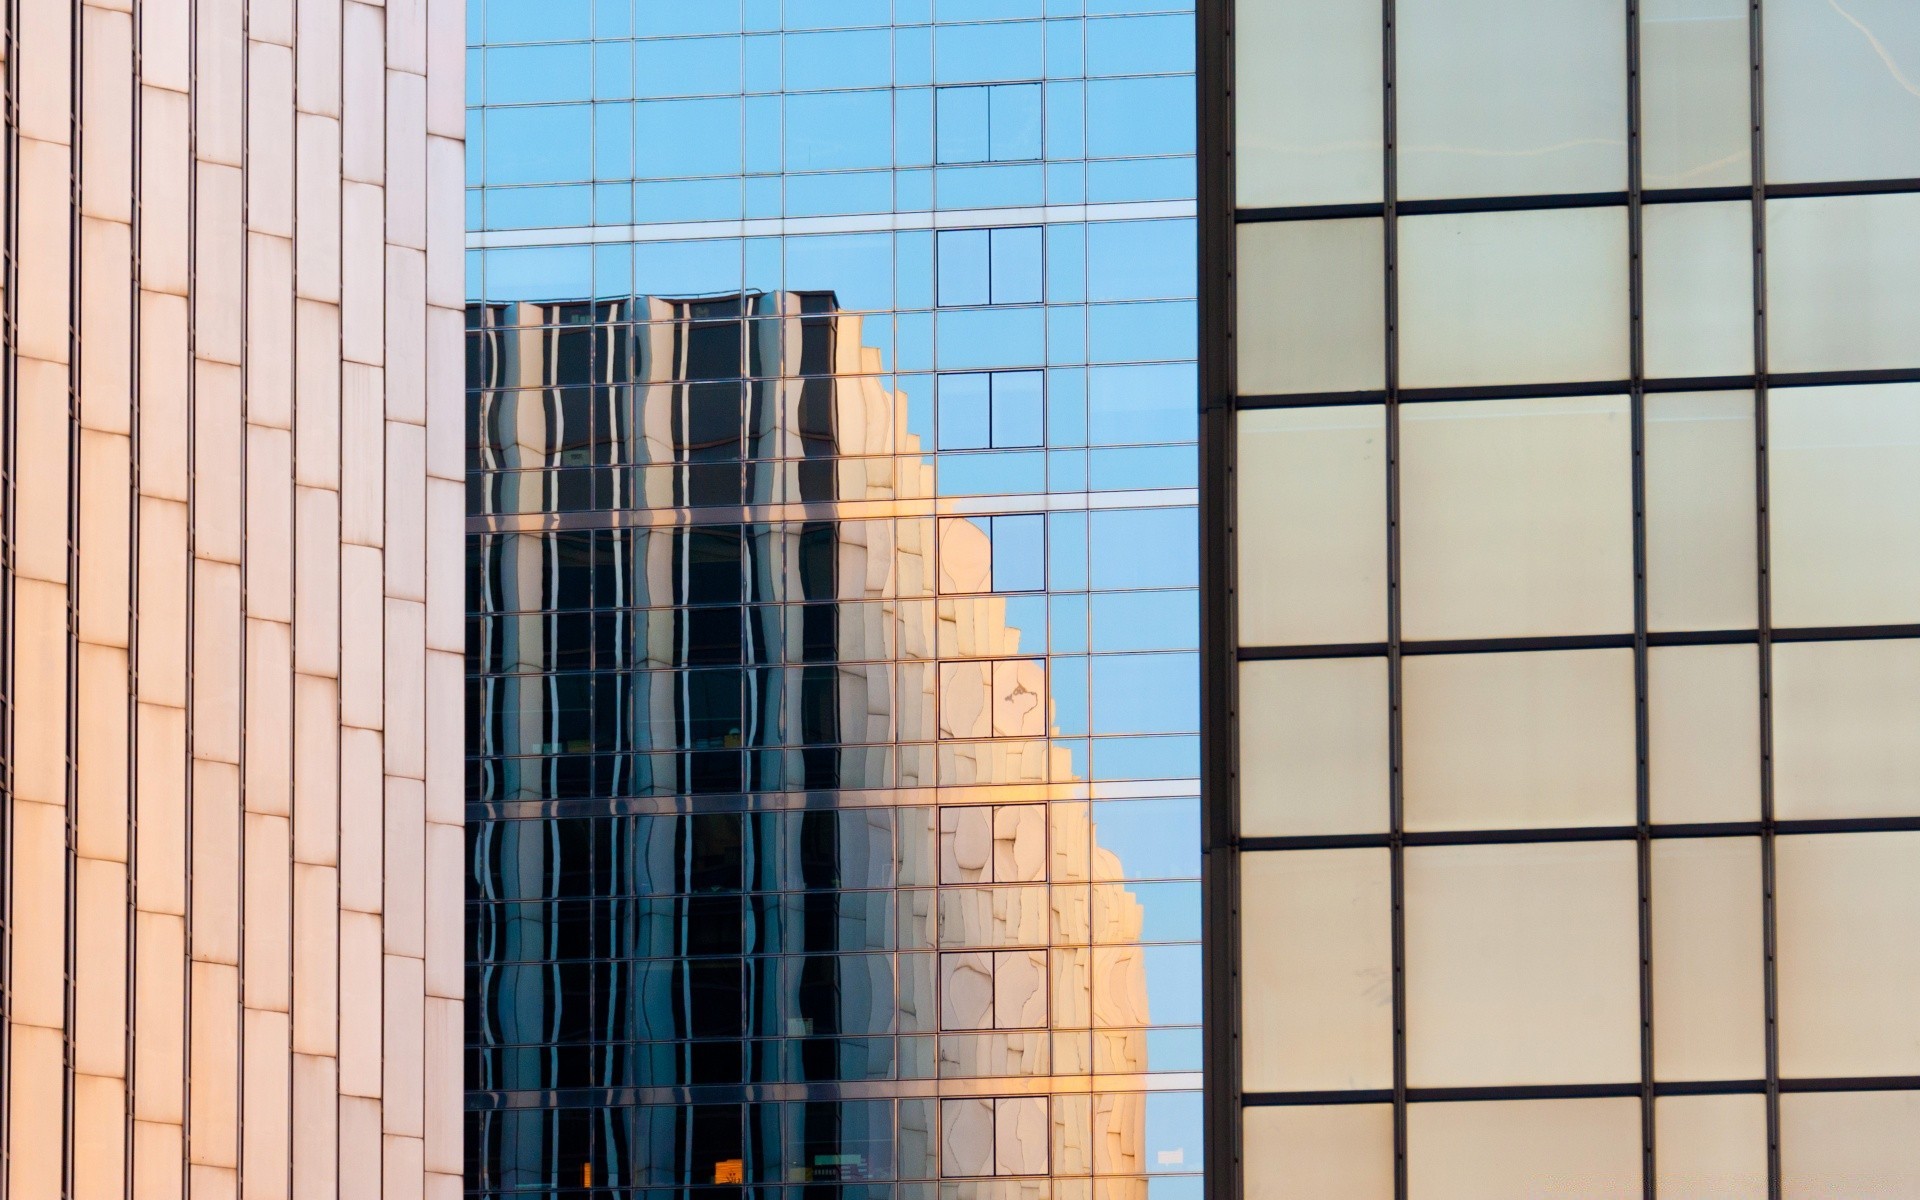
column 1307, row 90
column 1703, row 567
column 1503, row 1150
column 1694, row 93
column 1513, row 297
column 1709, row 1011
column 1306, row 1152
column 1703, row 727
column 1698, row 261
column 1849, row 1145
column 1311, row 306
column 1845, row 716
column 1710, row 1147
column 1313, row 747
column 1843, row 89
column 1843, row 282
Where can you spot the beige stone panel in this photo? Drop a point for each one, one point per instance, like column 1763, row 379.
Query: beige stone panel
column 270, row 330
column 35, row 1110
column 316, row 417
column 269, row 518
column 363, row 92
column 106, row 503
column 317, row 199
column 445, row 565
column 270, row 21
column 404, row 897
column 44, row 70
column 317, row 57
column 41, row 191
column 316, row 770
column 446, row 68
column 445, row 893
column 216, row 661
column 267, row 1094
column 446, row 221
column 269, row 759
column 166, row 54
column 316, row 964
column 160, row 806
column 218, row 81
column 219, row 245
column 363, row 433
column 40, row 669
column 446, row 389
column 215, row 854
column 361, row 790
column 315, row 1127
column 100, row 754
column 407, row 35
column 99, row 1137
column 159, row 1002
column 163, row 602
column 106, row 289
column 447, row 1187
column 404, row 1051
column 205, row 1182
column 156, row 1160
column 361, row 626
column 106, row 104
column 359, row 1146
column 316, row 573
column 446, row 716
column 406, row 692
column 402, row 1176
column 406, row 335
column 362, row 270
column 444, row 1081
column 219, row 442
column 406, row 533
column 269, row 132
column 164, row 364
column 42, row 436
column 39, row 958
column 213, row 1064
column 166, row 166
column 360, row 1007
column 406, row 152
column 100, row 967
column 268, row 891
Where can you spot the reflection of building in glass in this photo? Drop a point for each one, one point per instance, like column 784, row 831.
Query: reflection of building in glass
column 779, row 871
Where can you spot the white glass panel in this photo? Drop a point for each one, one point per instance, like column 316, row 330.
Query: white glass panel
column 1312, row 525
column 1316, row 970
column 1702, row 551
column 1694, row 93
column 1847, row 910
column 1524, row 1150
column 1335, row 1152
column 1522, row 964
column 1511, row 741
column 1843, row 471
column 1517, row 517
column 1843, row 89
column 1513, row 297
column 1511, row 97
column 1850, row 1145
column 1698, row 261
column 1843, row 282
column 1313, row 747
column 1845, row 719
column 1307, row 87
column 1703, row 733
column 1710, row 1147
column 1709, row 962
column 1311, row 299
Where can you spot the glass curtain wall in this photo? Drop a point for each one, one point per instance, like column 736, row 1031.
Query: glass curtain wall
column 1576, row 588
column 832, row 601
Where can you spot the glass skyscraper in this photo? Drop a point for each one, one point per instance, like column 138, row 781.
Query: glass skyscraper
column 832, row 561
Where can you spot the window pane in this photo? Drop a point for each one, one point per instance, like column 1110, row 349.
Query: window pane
column 1517, row 517
column 1710, row 1147
column 1312, row 307
column 1842, row 100
column 1336, row 1152
column 1307, row 102
column 1316, row 970
column 1704, row 733
column 1312, row 529
column 1522, row 964
column 1844, row 478
column 1702, row 554
column 1849, row 963
column 1844, row 722
column 1843, row 282
column 1313, row 747
column 1513, row 297
column 1857, row 1145
column 1514, row 741
column 1503, row 1150
column 1709, row 963
column 1699, row 289
column 1511, row 97
column 1694, row 93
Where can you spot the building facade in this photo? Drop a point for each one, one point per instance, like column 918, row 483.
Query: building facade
column 832, row 655
column 1562, row 383
column 230, row 811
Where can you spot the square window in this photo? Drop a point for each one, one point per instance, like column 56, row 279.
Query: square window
column 963, row 266
column 1307, row 103
column 1017, row 264
column 1312, row 306
column 1839, row 83
column 1313, row 747
column 960, row 124
column 1014, row 122
column 1019, row 553
column 1844, row 715
column 1017, row 409
column 965, row 408
column 1843, row 282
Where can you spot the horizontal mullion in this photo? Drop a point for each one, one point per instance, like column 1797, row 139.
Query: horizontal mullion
column 1579, row 833
column 1579, row 1091
column 1594, row 641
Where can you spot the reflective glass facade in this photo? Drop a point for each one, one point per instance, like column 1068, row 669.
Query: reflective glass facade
column 1567, row 596
column 832, row 725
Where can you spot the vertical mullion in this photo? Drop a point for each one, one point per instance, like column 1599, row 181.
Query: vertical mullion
column 1396, row 790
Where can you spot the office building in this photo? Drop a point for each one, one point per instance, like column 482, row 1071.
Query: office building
column 1563, row 384
column 231, row 653
column 832, row 713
